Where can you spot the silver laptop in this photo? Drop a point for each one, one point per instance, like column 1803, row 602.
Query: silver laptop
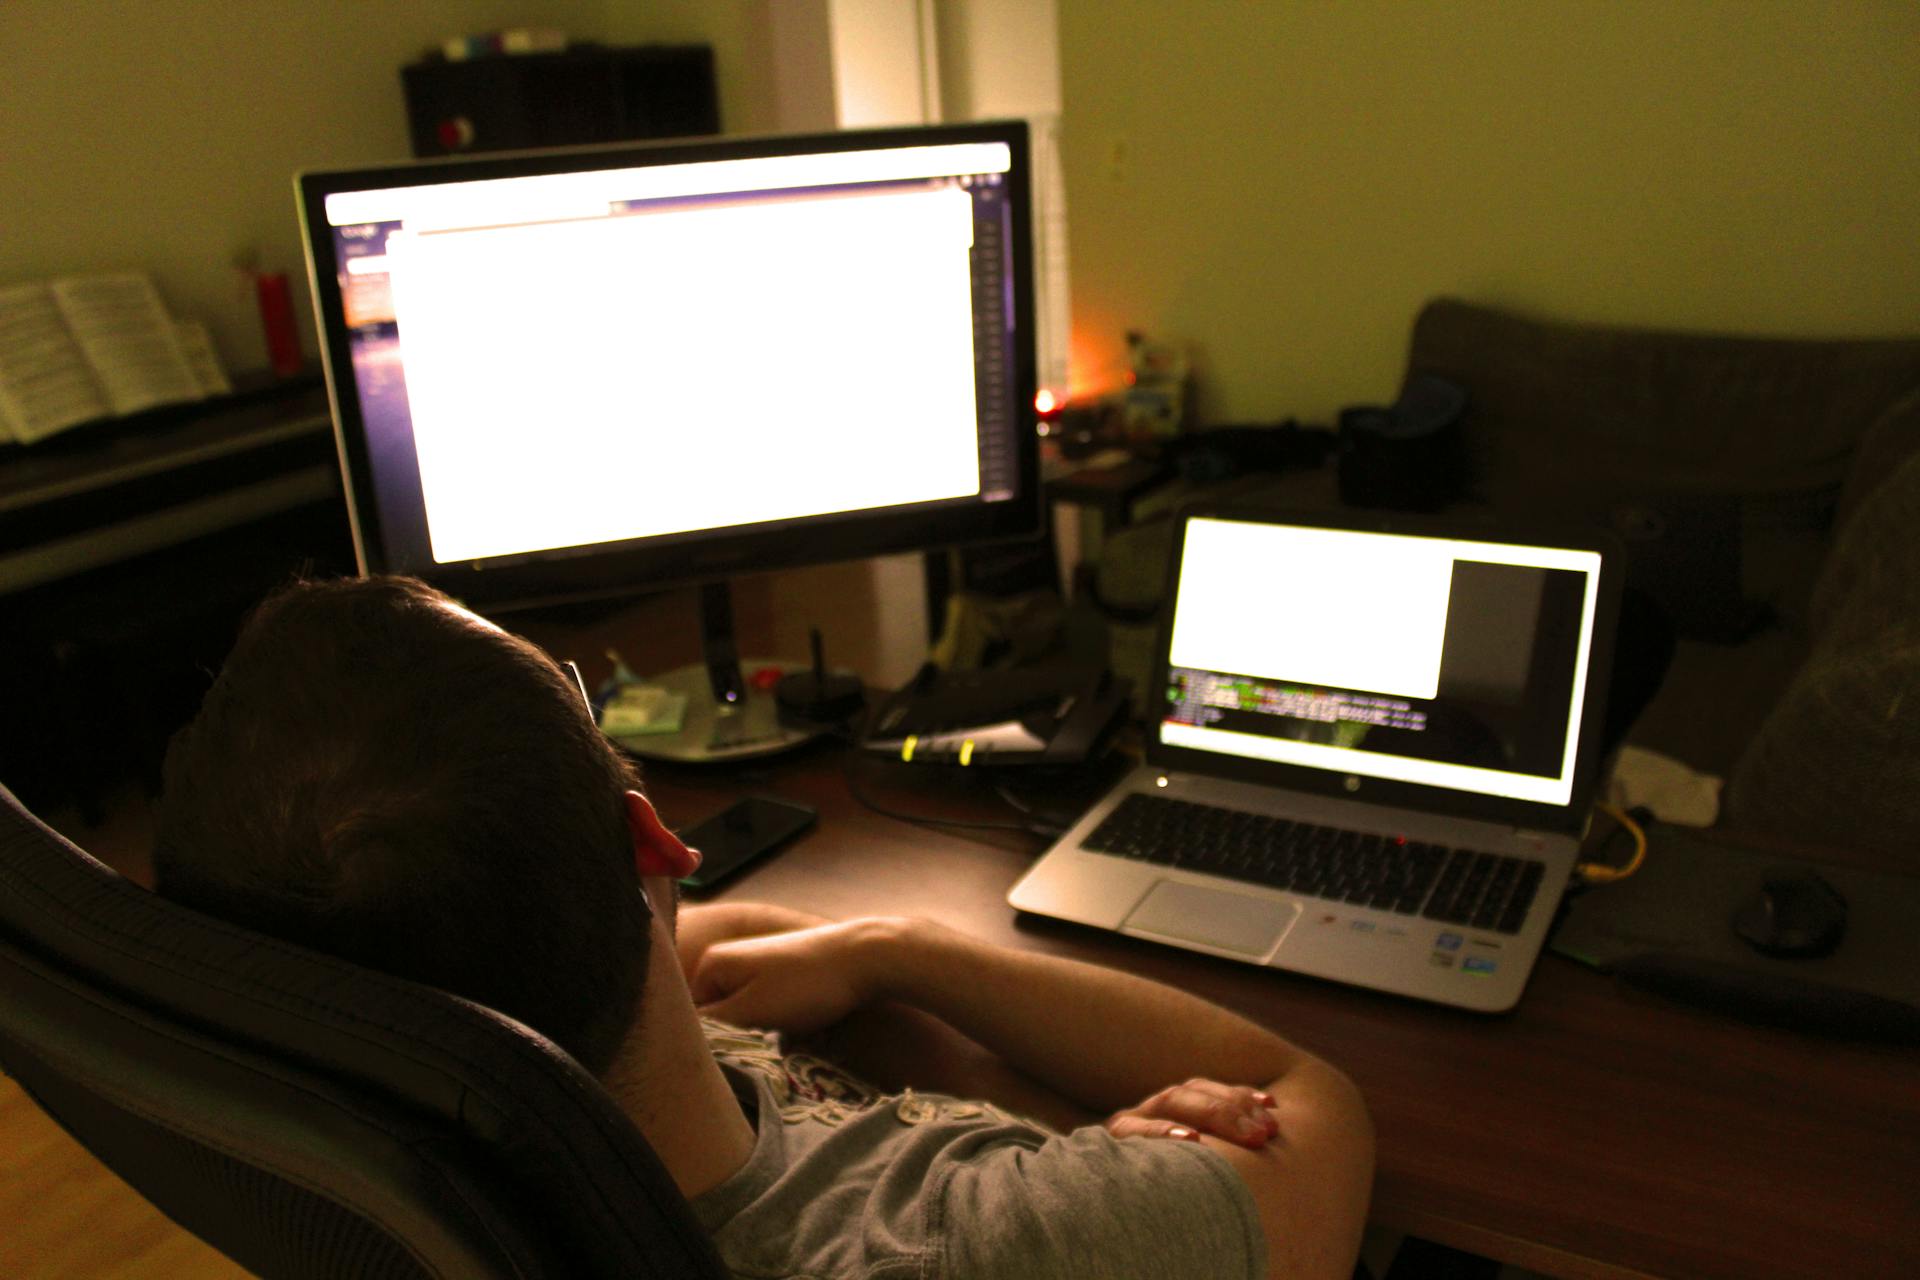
column 1370, row 755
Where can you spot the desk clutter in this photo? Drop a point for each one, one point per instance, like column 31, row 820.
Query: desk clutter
column 1058, row 715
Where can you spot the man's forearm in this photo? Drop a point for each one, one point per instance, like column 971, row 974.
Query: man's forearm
column 1102, row 1038
column 698, row 925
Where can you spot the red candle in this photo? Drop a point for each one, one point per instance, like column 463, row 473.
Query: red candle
column 276, row 317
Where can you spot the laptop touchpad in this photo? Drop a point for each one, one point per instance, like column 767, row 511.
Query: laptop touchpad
column 1216, row 918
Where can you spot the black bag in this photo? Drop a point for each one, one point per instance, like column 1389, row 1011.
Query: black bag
column 1407, row 457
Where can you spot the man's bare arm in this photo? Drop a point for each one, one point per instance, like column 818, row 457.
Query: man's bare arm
column 1313, row 1182
column 1101, row 1038
column 1104, row 1037
column 699, row 925
column 885, row 1043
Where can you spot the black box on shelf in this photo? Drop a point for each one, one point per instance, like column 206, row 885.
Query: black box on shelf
column 512, row 102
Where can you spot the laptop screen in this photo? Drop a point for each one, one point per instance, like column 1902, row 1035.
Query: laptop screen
column 1439, row 661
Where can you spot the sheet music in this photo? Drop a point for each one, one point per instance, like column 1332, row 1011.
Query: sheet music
column 46, row 384
column 197, row 345
column 128, row 338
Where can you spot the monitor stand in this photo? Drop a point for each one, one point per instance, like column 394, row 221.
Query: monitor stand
column 727, row 717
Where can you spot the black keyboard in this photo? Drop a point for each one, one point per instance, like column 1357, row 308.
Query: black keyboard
column 1456, row 886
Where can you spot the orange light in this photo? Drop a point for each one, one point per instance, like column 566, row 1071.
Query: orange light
column 1046, row 401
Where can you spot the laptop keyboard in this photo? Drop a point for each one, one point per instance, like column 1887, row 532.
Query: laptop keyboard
column 1456, row 886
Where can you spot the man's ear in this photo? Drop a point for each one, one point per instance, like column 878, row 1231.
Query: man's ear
column 656, row 850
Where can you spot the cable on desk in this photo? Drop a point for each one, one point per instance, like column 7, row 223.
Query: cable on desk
column 929, row 820
column 1602, row 873
column 1014, row 802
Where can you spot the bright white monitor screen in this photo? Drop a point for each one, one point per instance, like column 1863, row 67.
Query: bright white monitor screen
column 560, row 364
column 1439, row 661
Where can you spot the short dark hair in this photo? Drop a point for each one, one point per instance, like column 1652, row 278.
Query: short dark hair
column 380, row 777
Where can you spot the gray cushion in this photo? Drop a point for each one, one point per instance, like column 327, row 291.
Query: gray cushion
column 1837, row 760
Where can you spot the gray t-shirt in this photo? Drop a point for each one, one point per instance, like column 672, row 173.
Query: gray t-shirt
column 845, row 1182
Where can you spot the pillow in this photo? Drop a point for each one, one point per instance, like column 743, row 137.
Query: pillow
column 1893, row 437
column 1837, row 760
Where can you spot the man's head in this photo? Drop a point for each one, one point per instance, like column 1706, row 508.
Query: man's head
column 380, row 775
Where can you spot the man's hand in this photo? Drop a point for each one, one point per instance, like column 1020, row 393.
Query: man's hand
column 796, row 982
column 1233, row 1113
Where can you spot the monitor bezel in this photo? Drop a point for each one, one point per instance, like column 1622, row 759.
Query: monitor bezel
column 710, row 555
column 1569, row 818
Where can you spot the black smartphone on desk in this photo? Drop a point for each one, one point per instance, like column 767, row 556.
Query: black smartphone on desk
column 740, row 833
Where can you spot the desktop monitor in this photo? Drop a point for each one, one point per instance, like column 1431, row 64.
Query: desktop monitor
column 567, row 374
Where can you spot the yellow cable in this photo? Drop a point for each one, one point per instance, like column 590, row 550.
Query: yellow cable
column 1600, row 872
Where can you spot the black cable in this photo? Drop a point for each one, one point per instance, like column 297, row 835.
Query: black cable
column 1005, row 792
column 930, row 820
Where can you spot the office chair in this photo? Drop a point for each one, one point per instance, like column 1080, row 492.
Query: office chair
column 307, row 1117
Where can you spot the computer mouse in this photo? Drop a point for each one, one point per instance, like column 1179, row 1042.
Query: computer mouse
column 1794, row 915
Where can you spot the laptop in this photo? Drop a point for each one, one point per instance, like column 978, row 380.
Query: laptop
column 1371, row 751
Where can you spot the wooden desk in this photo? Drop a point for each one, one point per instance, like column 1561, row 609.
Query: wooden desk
column 1595, row 1132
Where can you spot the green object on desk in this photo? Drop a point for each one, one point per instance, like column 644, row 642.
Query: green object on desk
column 640, row 709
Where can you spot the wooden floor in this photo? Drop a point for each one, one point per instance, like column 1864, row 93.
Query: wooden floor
column 67, row 1217
column 63, row 1214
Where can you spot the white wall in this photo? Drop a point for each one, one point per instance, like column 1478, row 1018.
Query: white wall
column 998, row 59
column 1282, row 185
column 165, row 135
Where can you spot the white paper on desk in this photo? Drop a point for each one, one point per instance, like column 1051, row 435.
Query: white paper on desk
column 128, row 338
column 1674, row 792
column 46, row 384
